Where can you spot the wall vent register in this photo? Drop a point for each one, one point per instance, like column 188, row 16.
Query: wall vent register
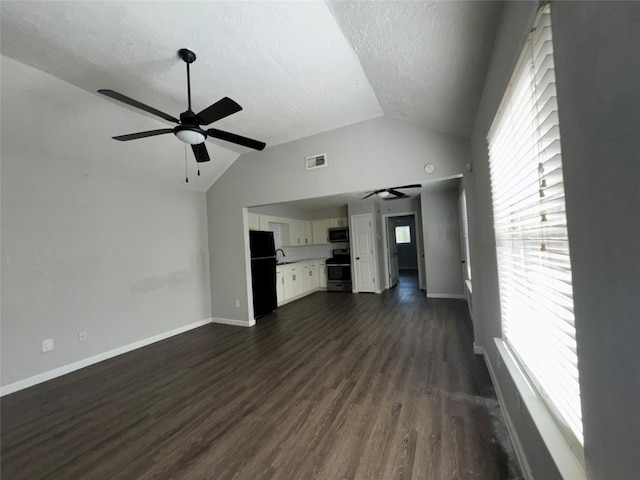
column 316, row 161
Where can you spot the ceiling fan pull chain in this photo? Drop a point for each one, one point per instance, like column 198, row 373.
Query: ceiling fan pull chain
column 186, row 171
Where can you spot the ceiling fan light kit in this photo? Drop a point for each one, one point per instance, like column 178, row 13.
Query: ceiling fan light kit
column 188, row 129
column 393, row 192
column 189, row 134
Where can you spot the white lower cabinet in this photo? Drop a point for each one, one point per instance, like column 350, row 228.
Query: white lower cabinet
column 322, row 274
column 280, row 285
column 297, row 280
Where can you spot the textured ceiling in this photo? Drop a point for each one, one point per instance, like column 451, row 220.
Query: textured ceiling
column 297, row 68
column 426, row 61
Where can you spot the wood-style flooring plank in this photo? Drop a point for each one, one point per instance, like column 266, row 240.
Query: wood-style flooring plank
column 333, row 386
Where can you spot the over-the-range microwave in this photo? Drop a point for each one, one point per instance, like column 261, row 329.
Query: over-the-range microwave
column 339, row 234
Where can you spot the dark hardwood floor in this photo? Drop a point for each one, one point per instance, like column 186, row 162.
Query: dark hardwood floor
column 333, row 386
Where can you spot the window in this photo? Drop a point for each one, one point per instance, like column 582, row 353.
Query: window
column 403, row 234
column 532, row 244
column 464, row 219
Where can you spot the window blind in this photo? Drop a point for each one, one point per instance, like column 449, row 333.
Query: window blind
column 534, row 271
column 465, row 234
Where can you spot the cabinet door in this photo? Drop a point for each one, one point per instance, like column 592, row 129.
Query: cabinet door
column 344, row 221
column 334, row 222
column 254, row 221
column 312, row 274
column 263, row 222
column 287, row 283
column 297, row 281
column 322, row 274
column 293, row 233
column 280, row 285
column 320, row 234
column 305, row 278
column 308, row 232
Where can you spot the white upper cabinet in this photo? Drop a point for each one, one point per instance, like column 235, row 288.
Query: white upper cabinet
column 320, row 234
column 295, row 232
column 254, row 221
column 338, row 222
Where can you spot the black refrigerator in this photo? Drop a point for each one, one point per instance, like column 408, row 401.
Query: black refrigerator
column 263, row 272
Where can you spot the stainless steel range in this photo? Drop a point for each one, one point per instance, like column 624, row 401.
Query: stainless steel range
column 339, row 271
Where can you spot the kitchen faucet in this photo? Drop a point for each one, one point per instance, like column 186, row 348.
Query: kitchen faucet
column 279, row 250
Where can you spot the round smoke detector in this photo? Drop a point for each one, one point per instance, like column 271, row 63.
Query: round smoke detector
column 429, row 168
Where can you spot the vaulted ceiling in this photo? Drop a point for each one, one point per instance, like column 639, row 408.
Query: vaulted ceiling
column 297, row 68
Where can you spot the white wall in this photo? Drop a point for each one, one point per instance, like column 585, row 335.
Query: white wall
column 362, row 157
column 597, row 75
column 441, row 238
column 597, row 50
column 86, row 249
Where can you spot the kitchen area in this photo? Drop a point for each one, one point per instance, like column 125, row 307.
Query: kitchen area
column 295, row 256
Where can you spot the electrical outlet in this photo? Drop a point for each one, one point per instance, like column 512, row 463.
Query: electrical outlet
column 237, row 303
column 47, row 345
column 82, row 336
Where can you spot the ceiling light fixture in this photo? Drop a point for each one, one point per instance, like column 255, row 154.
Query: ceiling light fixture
column 190, row 134
column 383, row 194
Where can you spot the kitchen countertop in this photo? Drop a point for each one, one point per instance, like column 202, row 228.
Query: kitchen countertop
column 280, row 264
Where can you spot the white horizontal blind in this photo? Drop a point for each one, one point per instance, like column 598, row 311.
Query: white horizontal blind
column 532, row 244
column 465, row 234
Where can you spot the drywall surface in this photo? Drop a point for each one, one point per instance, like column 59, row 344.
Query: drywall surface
column 441, row 237
column 363, row 156
column 597, row 47
column 84, row 250
column 598, row 81
column 291, row 211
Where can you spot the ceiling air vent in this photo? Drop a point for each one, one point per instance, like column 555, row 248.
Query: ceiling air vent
column 316, row 161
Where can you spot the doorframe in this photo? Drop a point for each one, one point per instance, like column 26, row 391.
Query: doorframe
column 354, row 277
column 385, row 236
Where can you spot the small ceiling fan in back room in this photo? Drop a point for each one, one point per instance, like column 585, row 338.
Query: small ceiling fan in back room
column 393, row 192
column 189, row 125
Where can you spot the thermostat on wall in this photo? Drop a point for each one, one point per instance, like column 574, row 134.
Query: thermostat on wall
column 429, row 168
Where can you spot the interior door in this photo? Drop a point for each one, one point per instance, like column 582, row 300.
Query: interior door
column 362, row 242
column 394, row 269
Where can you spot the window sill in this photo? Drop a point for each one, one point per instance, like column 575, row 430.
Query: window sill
column 560, row 450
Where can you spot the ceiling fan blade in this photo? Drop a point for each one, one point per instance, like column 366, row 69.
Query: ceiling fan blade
column 233, row 138
column 220, row 109
column 415, row 185
column 149, row 133
column 137, row 104
column 373, row 193
column 396, row 192
column 200, row 151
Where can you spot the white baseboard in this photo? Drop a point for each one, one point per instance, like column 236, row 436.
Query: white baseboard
column 235, row 323
column 459, row 296
column 513, row 434
column 478, row 350
column 72, row 367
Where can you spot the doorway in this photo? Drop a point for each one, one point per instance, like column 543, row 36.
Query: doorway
column 362, row 246
column 402, row 247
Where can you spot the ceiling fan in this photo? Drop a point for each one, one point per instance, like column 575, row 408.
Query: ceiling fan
column 392, row 193
column 188, row 129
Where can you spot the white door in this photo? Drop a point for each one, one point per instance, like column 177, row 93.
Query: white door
column 363, row 246
column 394, row 269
